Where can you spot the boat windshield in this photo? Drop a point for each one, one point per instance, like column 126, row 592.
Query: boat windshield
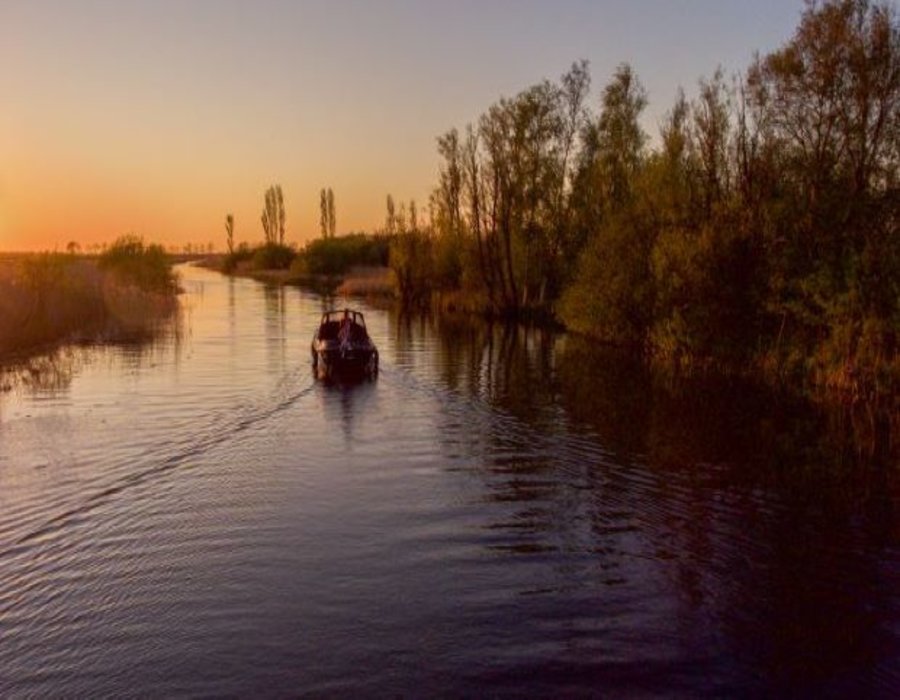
column 338, row 316
column 333, row 321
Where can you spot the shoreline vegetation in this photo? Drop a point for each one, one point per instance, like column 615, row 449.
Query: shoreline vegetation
column 47, row 299
column 350, row 265
column 759, row 234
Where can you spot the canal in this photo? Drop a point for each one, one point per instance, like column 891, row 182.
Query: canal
column 503, row 511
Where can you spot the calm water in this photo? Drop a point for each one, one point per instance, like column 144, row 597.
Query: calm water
column 501, row 512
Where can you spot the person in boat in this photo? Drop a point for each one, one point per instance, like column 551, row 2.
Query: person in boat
column 344, row 332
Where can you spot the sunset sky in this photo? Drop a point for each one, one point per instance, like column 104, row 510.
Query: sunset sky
column 160, row 117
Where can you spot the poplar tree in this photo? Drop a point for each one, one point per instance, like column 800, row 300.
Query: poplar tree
column 229, row 232
column 279, row 203
column 323, row 213
column 332, row 224
column 390, row 223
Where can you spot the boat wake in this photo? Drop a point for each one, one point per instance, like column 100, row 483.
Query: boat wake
column 221, row 427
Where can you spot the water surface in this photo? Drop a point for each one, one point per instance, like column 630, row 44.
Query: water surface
column 503, row 511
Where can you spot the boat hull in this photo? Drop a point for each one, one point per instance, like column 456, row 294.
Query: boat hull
column 329, row 361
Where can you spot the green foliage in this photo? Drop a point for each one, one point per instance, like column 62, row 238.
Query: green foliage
column 410, row 259
column 273, row 256
column 145, row 266
column 763, row 230
column 706, row 298
column 612, row 294
column 336, row 255
column 447, row 263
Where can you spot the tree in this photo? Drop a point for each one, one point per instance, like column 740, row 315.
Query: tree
column 229, row 233
column 828, row 105
column 611, row 295
column 390, row 224
column 410, row 256
column 323, row 213
column 712, row 123
column 279, row 204
column 332, row 223
column 620, row 137
column 273, row 217
column 450, row 184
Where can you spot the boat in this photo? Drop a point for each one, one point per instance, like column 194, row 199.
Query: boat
column 341, row 345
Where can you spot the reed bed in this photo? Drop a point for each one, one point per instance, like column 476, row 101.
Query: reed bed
column 51, row 298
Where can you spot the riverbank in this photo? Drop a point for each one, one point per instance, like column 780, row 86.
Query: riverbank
column 48, row 299
column 371, row 282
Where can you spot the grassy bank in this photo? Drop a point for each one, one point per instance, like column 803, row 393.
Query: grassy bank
column 351, row 265
column 50, row 298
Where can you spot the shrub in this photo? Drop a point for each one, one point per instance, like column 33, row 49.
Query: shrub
column 273, row 256
column 335, row 256
column 133, row 262
column 242, row 253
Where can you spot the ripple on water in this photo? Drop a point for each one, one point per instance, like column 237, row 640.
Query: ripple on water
column 230, row 526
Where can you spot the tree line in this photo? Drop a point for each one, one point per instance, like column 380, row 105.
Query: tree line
column 761, row 227
column 274, row 253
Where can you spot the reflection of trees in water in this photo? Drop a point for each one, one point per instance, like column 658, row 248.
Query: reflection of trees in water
column 763, row 511
column 682, row 421
column 53, row 370
column 409, row 332
column 275, row 323
column 506, row 365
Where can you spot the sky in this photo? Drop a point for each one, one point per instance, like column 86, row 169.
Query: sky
column 158, row 118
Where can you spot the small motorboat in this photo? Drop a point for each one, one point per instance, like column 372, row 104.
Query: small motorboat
column 342, row 345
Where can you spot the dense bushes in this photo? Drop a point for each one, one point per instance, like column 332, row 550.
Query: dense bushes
column 336, row 255
column 273, row 256
column 761, row 231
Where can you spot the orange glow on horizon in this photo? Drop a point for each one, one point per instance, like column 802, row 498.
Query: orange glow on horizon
column 160, row 118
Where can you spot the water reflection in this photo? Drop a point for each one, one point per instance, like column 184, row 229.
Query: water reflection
column 346, row 401
column 506, row 510
column 756, row 506
column 51, row 372
column 276, row 324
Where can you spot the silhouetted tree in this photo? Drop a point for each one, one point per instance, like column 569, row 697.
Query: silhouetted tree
column 332, row 222
column 229, row 233
column 390, row 223
column 279, row 207
column 273, row 216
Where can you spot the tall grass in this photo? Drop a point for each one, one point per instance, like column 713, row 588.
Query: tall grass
column 50, row 297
